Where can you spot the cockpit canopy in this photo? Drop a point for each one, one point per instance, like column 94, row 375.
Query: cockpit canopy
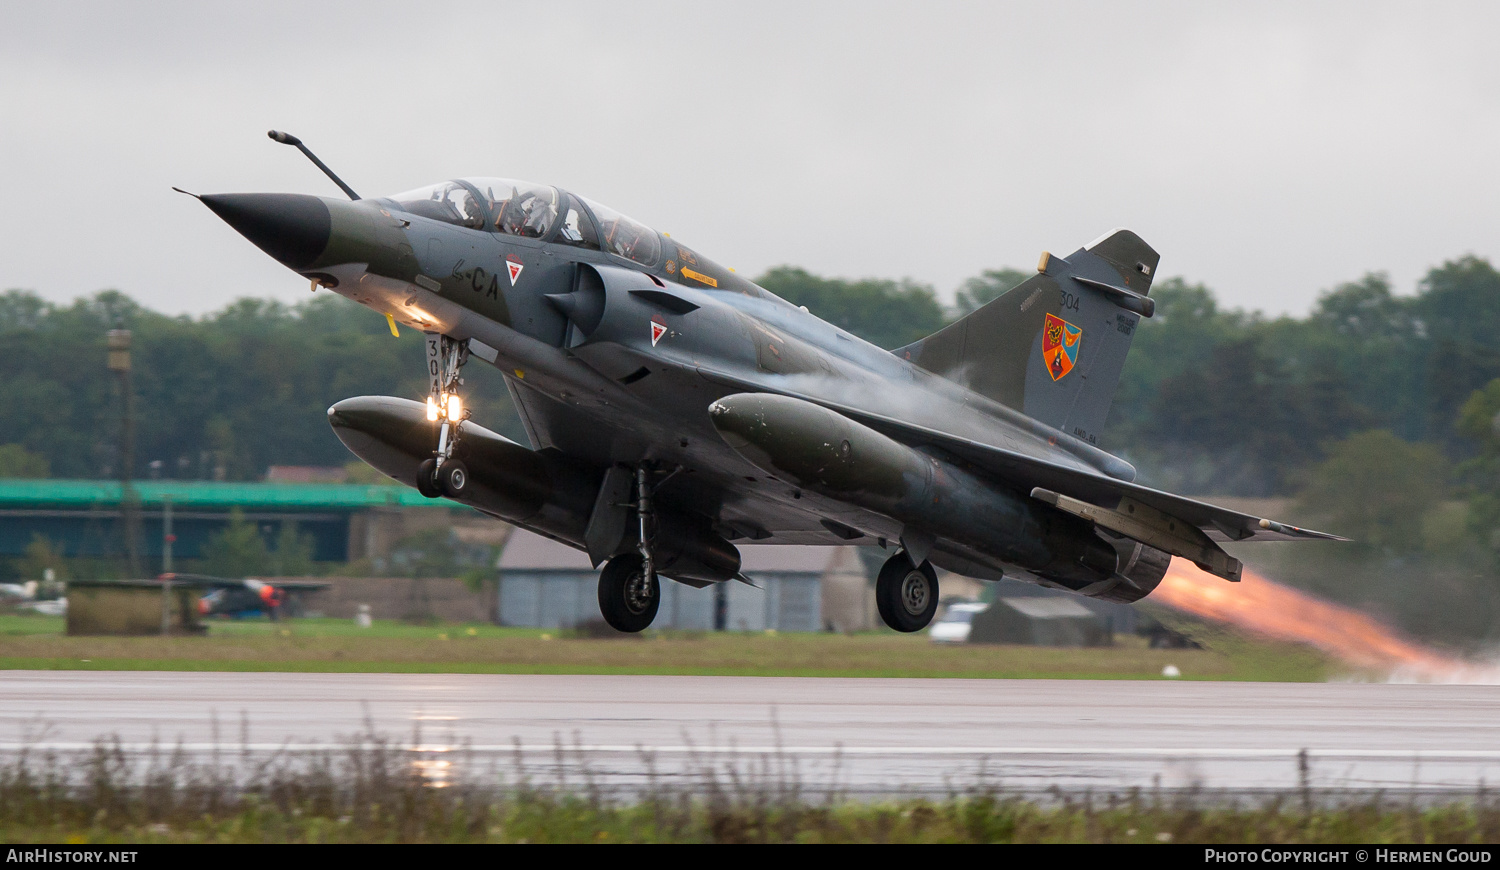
column 621, row 235
column 520, row 208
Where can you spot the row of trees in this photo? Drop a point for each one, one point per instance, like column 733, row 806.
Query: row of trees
column 222, row 396
column 1212, row 400
column 1378, row 412
column 1230, row 402
column 1233, row 401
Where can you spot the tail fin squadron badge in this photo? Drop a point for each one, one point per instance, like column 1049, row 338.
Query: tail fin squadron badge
column 1060, row 342
column 514, row 264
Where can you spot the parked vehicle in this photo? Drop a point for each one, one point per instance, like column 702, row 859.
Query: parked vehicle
column 954, row 625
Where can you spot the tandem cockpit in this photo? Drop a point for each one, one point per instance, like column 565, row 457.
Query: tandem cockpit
column 532, row 211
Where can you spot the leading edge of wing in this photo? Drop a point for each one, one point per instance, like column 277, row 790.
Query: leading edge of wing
column 1028, row 472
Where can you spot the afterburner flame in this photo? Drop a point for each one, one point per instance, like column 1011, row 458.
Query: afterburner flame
column 1271, row 609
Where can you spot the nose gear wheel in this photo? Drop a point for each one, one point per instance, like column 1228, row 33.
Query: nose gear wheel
column 453, row 479
column 443, row 474
column 427, row 479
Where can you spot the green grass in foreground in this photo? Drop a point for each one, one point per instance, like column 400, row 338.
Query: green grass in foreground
column 329, row 645
column 542, row 819
column 372, row 790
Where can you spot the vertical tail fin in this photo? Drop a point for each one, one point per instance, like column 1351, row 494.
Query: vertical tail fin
column 1053, row 346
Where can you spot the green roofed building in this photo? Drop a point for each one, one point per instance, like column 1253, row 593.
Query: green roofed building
column 346, row 521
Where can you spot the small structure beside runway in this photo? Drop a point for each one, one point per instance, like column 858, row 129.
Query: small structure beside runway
column 135, row 607
column 1040, row 622
column 176, row 603
column 83, row 517
column 551, row 585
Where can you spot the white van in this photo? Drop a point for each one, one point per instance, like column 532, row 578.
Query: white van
column 955, row 623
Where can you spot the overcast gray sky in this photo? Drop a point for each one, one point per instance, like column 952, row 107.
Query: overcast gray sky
column 1269, row 151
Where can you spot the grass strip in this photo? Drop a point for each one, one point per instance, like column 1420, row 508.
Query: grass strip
column 545, row 818
column 337, row 646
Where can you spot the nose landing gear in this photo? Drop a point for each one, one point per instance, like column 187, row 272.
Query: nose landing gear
column 905, row 594
column 443, row 474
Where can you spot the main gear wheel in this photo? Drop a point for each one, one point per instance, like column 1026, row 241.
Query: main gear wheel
column 905, row 594
column 628, row 597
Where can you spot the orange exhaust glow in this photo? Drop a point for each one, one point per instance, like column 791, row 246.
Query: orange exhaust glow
column 1270, row 609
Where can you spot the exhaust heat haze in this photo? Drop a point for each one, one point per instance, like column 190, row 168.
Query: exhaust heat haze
column 1271, row 609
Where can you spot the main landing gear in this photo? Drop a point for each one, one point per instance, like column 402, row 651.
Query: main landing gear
column 905, row 594
column 629, row 592
column 628, row 596
column 443, row 474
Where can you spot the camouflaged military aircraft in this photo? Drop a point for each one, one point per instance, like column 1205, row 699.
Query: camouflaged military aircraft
column 676, row 409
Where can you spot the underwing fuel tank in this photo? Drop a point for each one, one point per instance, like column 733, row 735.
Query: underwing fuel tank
column 539, row 490
column 824, row 451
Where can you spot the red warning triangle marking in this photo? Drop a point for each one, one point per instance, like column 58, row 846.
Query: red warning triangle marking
column 515, row 271
column 657, row 331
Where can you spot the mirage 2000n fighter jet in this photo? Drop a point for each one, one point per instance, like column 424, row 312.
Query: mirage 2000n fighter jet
column 677, row 411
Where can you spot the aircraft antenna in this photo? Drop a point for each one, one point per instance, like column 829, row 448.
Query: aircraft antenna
column 289, row 139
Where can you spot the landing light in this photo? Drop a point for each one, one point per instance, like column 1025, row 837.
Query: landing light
column 455, row 409
column 432, row 410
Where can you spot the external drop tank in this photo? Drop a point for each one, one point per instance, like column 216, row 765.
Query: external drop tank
column 540, row 490
column 544, row 492
column 823, row 451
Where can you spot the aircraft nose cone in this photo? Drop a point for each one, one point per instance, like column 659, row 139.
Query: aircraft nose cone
column 292, row 227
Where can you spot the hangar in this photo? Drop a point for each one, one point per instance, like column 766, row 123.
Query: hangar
column 798, row 588
column 84, row 516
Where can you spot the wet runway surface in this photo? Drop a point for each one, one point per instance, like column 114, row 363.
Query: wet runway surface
column 854, row 735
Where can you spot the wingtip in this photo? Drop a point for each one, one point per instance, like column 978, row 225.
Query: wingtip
column 1316, row 535
column 1295, row 531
